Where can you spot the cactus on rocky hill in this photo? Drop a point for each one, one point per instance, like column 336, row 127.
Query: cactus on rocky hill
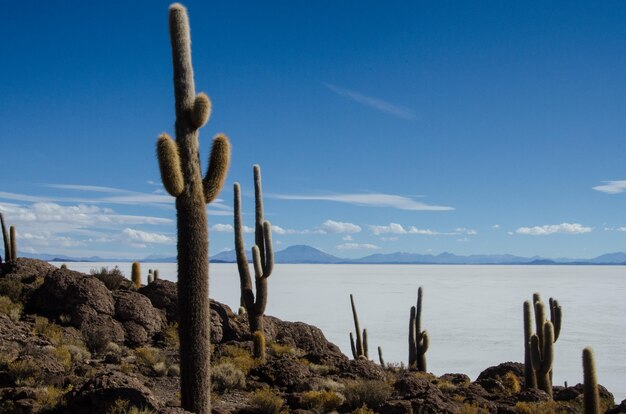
column 136, row 274
column 179, row 162
column 10, row 242
column 359, row 348
column 263, row 259
column 591, row 396
column 418, row 339
column 530, row 380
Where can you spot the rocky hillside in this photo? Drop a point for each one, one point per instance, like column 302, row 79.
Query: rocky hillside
column 76, row 343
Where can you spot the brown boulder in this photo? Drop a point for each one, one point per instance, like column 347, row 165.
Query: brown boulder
column 163, row 295
column 361, row 369
column 98, row 394
column 140, row 319
column 288, row 374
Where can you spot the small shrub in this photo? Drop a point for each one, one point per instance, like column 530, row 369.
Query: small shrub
column 13, row 310
column 280, row 349
column 11, row 288
column 322, row 370
column 170, row 335
column 112, row 348
column 149, row 356
column 96, row 338
column 24, row 372
column 545, row 407
column 49, row 397
column 511, row 382
column 226, row 376
column 239, row 357
column 112, row 278
column 366, row 392
column 121, row 406
column 159, row 369
column 266, row 401
column 468, row 408
column 363, row 410
column 63, row 355
column 173, row 371
column 52, row 331
column 127, row 368
column 79, row 353
column 322, row 401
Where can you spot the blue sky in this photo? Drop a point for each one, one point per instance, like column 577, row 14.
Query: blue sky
column 424, row 127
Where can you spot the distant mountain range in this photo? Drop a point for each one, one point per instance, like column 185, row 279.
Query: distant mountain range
column 310, row 255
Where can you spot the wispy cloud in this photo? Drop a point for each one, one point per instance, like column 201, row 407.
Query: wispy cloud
column 331, row 226
column 563, row 228
column 139, row 236
column 612, row 187
column 375, row 103
column 395, row 228
column 357, row 246
column 228, row 228
column 373, row 200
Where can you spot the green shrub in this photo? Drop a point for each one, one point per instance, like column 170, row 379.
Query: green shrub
column 226, row 376
column 363, row 410
column 96, row 338
column 366, row 392
column 13, row 310
column 266, row 401
column 239, row 357
column 24, row 372
column 279, row 350
column 113, row 279
column 49, row 397
column 52, row 331
column 149, row 356
column 322, row 401
column 170, row 334
column 121, row 406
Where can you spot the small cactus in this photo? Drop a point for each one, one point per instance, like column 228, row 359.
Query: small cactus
column 150, row 278
column 529, row 374
column 156, row 274
column 380, row 357
column 418, row 339
column 262, row 255
column 359, row 349
column 136, row 274
column 591, row 396
column 10, row 242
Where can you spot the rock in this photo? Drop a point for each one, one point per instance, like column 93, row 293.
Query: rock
column 286, row 373
column 499, row 371
column 140, row 319
column 456, row 379
column 28, row 268
column 226, row 326
column 163, row 295
column 396, row 407
column 361, row 368
column 65, row 292
column 533, row 395
column 618, row 408
column 409, row 386
column 100, row 392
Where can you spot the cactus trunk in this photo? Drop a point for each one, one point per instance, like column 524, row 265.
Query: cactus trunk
column 530, row 380
column 591, row 396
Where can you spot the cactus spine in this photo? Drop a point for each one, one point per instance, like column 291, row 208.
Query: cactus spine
column 418, row 339
column 591, row 396
column 359, row 350
column 542, row 356
column 136, row 274
column 180, row 167
column 263, row 259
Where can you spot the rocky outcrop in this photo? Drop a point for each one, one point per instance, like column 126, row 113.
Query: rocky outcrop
column 163, row 295
column 140, row 319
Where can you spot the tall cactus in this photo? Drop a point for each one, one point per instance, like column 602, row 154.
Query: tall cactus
column 591, row 396
column 359, row 349
column 418, row 339
column 179, row 162
column 263, row 259
column 531, row 377
column 542, row 357
column 135, row 274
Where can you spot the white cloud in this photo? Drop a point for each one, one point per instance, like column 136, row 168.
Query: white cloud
column 375, row 103
column 388, row 239
column 228, row 228
column 374, row 200
column 138, row 236
column 347, row 237
column 395, row 228
column 612, row 187
column 331, row 226
column 495, row 226
column 357, row 246
column 282, row 231
column 563, row 228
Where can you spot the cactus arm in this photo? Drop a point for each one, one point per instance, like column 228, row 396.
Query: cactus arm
column 540, row 319
column 13, row 244
column 169, row 165
column 247, row 296
column 529, row 374
column 421, row 351
column 201, row 110
column 412, row 340
column 555, row 317
column 354, row 355
column 5, row 237
column 535, row 352
column 591, row 396
column 359, row 339
column 380, row 357
column 424, row 342
column 261, row 283
column 219, row 160
column 418, row 311
column 258, row 211
column 365, row 350
column 268, row 265
column 548, row 347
